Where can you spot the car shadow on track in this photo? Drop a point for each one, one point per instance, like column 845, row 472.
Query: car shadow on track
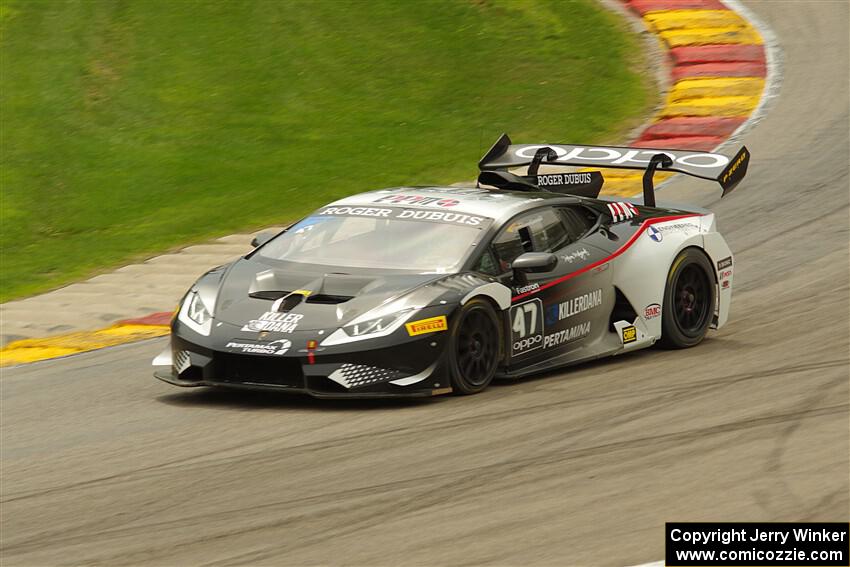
column 246, row 399
column 258, row 400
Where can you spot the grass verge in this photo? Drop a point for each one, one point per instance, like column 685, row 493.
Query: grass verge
column 130, row 128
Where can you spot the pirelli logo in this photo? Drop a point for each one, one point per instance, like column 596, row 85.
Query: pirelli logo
column 424, row 326
column 732, row 168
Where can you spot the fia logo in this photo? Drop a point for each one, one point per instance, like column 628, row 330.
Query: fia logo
column 654, row 233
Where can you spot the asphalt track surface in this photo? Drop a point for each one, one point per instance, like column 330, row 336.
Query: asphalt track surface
column 103, row 464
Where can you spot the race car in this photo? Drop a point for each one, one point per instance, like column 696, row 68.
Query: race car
column 421, row 291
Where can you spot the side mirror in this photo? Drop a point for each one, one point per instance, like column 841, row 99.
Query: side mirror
column 262, row 238
column 535, row 262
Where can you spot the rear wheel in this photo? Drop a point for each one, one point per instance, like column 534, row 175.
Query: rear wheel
column 476, row 341
column 689, row 299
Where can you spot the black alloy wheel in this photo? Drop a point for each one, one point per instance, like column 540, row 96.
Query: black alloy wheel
column 475, row 347
column 689, row 300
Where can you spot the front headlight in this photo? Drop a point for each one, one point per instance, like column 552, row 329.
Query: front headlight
column 195, row 315
column 369, row 328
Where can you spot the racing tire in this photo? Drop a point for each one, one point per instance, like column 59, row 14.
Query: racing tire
column 474, row 347
column 689, row 300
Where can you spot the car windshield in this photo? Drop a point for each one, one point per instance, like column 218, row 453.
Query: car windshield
column 379, row 242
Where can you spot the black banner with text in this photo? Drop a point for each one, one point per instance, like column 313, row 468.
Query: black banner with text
column 763, row 544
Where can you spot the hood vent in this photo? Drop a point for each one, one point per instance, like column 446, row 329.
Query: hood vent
column 270, row 295
column 327, row 299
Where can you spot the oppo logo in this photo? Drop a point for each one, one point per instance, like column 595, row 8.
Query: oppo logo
column 628, row 157
column 524, row 344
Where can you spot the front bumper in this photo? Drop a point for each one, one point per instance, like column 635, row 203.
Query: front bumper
column 411, row 369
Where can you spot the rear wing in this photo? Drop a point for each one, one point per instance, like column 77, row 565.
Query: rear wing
column 728, row 172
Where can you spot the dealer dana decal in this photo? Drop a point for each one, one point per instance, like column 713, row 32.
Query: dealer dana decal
column 272, row 321
column 424, row 326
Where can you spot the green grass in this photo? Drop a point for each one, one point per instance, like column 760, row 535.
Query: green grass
column 131, row 127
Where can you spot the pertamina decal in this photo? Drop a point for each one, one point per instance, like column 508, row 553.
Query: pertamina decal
column 425, row 326
column 629, row 334
column 567, row 335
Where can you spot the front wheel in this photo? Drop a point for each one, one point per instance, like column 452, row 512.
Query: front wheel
column 475, row 345
column 689, row 299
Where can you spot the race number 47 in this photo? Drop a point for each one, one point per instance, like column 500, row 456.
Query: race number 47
column 525, row 319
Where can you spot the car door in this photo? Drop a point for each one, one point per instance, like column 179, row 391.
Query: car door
column 555, row 313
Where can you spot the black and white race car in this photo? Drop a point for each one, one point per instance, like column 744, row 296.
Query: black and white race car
column 418, row 291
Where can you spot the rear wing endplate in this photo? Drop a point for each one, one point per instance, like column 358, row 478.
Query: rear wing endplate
column 726, row 171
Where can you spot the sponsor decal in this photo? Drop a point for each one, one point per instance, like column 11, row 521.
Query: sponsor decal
column 622, row 211
column 724, row 263
column 582, row 254
column 458, row 218
column 724, row 284
column 629, row 334
column 724, row 274
column 579, row 304
column 404, row 214
column 274, row 322
column 358, row 211
column 417, row 200
column 654, row 233
column 527, row 288
column 274, row 348
column 567, row 335
column 735, row 165
column 623, row 156
column 660, row 230
column 424, row 326
column 601, row 268
column 526, row 327
column 564, row 179
column 652, row 311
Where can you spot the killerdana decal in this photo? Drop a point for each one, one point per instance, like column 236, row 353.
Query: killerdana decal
column 274, row 322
